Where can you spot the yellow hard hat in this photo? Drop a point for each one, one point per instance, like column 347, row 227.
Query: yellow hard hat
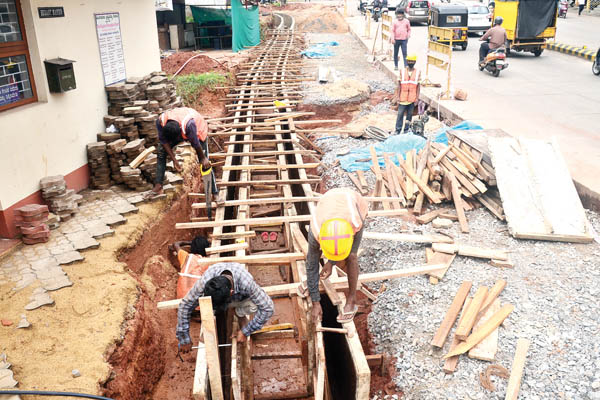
column 411, row 57
column 336, row 238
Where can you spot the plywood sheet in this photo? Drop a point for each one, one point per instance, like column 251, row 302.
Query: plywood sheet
column 537, row 191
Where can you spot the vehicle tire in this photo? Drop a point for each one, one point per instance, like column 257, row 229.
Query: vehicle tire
column 464, row 46
column 481, row 68
column 507, row 46
column 596, row 68
column 496, row 73
column 538, row 52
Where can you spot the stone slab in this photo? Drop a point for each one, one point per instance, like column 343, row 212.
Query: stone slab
column 69, row 257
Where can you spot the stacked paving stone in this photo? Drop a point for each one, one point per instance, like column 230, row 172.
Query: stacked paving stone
column 62, row 201
column 127, row 128
column 53, row 221
column 132, row 177
column 148, row 167
column 108, row 137
column 133, row 149
column 98, row 162
column 121, row 95
column 116, row 158
column 31, row 220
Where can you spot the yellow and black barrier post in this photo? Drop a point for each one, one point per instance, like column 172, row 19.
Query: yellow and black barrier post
column 439, row 55
column 386, row 30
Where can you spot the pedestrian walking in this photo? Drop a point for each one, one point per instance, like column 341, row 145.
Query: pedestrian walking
column 400, row 36
column 581, row 5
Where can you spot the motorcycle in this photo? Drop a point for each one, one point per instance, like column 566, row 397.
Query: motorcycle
column 362, row 7
column 596, row 64
column 563, row 7
column 494, row 62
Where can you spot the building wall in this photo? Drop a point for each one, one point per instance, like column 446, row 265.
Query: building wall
column 49, row 137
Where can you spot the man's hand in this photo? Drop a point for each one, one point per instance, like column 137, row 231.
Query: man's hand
column 317, row 311
column 241, row 338
column 185, row 348
column 205, row 164
column 326, row 271
column 177, row 166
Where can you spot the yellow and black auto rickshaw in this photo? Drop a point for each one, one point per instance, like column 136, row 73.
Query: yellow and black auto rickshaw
column 528, row 24
column 451, row 16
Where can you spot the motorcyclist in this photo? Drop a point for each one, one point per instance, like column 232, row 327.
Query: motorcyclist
column 497, row 36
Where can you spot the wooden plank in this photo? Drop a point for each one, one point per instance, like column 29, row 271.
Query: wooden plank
column 200, row 373
column 441, row 155
column 236, row 385
column 232, row 235
column 442, row 332
column 278, row 259
column 321, row 366
column 245, row 221
column 261, row 167
column 392, row 178
column 362, row 180
column 483, row 331
column 492, row 295
column 334, row 296
column 421, row 196
column 470, row 251
column 459, row 205
column 339, row 283
column 262, row 153
column 405, row 237
column 502, row 264
column 141, row 157
column 491, row 206
column 464, row 329
column 451, row 362
column 443, row 259
column 356, row 183
column 516, row 371
column 277, row 355
column 209, row 329
column 430, row 216
column 422, row 186
column 226, row 248
column 407, row 164
column 486, row 349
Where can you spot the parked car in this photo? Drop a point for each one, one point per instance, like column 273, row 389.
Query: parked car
column 480, row 17
column 415, row 10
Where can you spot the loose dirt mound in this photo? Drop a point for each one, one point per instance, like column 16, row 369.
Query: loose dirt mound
column 347, row 91
column 316, row 18
column 198, row 65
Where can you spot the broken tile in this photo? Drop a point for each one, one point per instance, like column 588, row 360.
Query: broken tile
column 23, row 323
column 6, row 379
column 39, row 300
column 6, row 322
column 69, row 257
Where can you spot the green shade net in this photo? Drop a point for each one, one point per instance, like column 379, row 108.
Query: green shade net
column 206, row 14
column 246, row 28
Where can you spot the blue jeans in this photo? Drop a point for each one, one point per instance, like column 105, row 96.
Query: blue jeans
column 404, row 108
column 397, row 45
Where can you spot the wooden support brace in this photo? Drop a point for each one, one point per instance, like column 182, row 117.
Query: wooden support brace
column 209, row 329
column 440, row 335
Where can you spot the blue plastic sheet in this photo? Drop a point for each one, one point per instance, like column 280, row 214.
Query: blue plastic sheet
column 320, row 50
column 398, row 145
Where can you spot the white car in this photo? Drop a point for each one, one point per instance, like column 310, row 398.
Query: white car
column 480, row 17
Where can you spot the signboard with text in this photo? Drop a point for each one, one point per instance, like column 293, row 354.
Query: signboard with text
column 163, row 5
column 51, row 12
column 108, row 30
column 9, row 94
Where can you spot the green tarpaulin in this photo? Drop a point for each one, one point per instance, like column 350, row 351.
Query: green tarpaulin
column 246, row 28
column 206, row 14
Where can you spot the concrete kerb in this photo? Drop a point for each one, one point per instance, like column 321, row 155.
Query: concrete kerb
column 582, row 52
column 589, row 198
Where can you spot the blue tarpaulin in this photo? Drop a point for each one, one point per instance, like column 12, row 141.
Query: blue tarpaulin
column 320, row 50
column 397, row 144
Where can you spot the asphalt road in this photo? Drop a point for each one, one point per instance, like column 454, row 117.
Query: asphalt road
column 551, row 96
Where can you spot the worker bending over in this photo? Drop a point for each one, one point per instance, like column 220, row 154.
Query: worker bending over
column 191, row 267
column 230, row 286
column 175, row 126
column 407, row 93
column 336, row 230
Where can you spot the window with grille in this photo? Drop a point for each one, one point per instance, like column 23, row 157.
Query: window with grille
column 16, row 80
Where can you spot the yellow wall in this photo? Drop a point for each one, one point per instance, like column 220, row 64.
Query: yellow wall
column 49, row 137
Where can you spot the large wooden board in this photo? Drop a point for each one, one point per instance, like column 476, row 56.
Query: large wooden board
column 516, row 372
column 537, row 191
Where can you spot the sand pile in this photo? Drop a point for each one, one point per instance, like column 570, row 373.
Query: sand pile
column 347, row 91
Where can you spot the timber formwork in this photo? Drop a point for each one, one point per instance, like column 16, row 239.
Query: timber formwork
column 267, row 188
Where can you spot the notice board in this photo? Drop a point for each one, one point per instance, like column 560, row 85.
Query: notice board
column 108, row 30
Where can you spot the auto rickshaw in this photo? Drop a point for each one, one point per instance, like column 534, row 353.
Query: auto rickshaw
column 528, row 24
column 453, row 16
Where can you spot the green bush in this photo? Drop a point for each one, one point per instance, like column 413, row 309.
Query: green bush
column 191, row 86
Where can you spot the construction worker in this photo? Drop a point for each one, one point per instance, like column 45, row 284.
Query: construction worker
column 407, row 93
column 190, row 266
column 336, row 231
column 230, row 286
column 175, row 126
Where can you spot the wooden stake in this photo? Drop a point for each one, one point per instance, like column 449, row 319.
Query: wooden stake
column 211, row 345
column 440, row 335
column 463, row 330
column 451, row 362
column 516, row 372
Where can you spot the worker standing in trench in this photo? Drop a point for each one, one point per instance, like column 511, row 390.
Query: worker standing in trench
column 336, row 230
column 230, row 286
column 175, row 126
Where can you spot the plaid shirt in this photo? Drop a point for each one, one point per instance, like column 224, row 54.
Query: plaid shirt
column 244, row 287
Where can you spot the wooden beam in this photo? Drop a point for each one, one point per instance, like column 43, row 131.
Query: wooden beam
column 464, row 328
column 245, row 221
column 260, row 167
column 451, row 362
column 290, row 289
column 406, row 237
column 492, row 295
column 262, row 153
column 226, row 248
column 209, row 329
column 440, row 258
column 440, row 335
column 483, row 331
column 141, row 157
column 334, row 296
column 458, row 204
column 516, row 371
column 232, row 235
column 283, row 258
column 430, row 216
column 471, row 251
column 422, row 186
column 200, row 373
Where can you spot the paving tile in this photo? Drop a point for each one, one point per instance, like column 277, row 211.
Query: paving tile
column 99, row 230
column 125, row 208
column 56, row 283
column 50, row 273
column 69, row 257
column 114, row 219
column 38, row 300
column 83, row 241
column 24, row 281
column 44, row 263
column 63, row 248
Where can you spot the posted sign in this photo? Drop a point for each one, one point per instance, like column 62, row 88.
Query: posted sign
column 108, row 29
column 9, row 94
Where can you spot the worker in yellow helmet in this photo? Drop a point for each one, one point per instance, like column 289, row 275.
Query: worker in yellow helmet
column 336, row 230
column 407, row 93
